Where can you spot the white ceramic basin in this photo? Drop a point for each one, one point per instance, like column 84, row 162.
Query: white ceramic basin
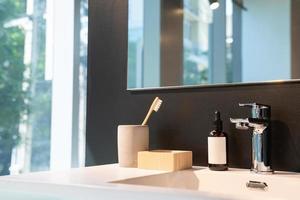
column 228, row 184
column 18, row 190
column 111, row 182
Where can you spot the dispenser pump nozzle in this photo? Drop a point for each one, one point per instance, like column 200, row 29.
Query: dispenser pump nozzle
column 218, row 122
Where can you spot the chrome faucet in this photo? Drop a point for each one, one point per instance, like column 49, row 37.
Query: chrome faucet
column 261, row 136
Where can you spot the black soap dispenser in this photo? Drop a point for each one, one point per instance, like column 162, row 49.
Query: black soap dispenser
column 217, row 146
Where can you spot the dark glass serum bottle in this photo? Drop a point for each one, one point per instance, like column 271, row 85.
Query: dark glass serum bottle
column 217, row 146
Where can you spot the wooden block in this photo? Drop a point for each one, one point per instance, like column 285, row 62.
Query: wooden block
column 166, row 160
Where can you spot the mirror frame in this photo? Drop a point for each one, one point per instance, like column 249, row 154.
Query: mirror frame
column 262, row 83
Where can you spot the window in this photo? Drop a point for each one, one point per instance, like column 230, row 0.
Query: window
column 43, row 53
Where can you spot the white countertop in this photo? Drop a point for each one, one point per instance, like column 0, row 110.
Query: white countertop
column 89, row 183
column 112, row 172
column 96, row 175
column 196, row 179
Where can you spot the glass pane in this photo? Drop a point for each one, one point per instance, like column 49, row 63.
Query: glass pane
column 12, row 81
column 26, row 85
column 146, row 37
column 83, row 79
column 200, row 43
column 135, row 42
column 229, row 41
column 197, row 17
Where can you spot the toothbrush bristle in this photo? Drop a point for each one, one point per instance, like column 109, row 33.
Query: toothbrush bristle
column 157, row 105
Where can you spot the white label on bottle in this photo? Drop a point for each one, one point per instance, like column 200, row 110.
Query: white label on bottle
column 217, row 150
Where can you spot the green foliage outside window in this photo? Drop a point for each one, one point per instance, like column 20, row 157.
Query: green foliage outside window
column 25, row 95
column 12, row 96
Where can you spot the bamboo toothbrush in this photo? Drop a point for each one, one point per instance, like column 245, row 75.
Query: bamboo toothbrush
column 154, row 107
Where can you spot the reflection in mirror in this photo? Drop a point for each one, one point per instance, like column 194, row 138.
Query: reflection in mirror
column 186, row 42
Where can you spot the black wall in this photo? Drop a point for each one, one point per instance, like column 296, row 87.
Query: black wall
column 184, row 120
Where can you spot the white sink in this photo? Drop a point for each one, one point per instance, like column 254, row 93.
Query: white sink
column 20, row 190
column 111, row 182
column 228, row 184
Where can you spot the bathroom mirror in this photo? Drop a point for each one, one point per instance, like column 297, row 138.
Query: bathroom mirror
column 179, row 43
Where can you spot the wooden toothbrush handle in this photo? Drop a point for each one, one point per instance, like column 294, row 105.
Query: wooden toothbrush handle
column 147, row 117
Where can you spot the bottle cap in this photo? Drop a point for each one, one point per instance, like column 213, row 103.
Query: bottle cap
column 218, row 122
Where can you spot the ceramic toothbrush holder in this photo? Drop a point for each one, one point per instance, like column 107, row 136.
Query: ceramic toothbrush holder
column 131, row 140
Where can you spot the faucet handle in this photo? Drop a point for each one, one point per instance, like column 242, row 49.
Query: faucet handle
column 259, row 111
column 254, row 105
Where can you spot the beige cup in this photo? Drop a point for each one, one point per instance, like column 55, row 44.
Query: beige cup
column 131, row 140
